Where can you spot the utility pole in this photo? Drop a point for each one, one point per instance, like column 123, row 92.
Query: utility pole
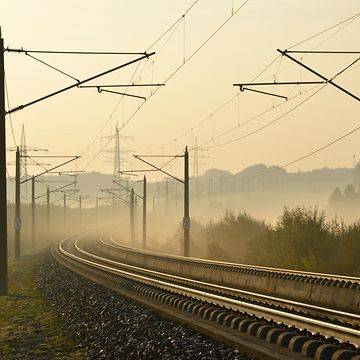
column 133, row 205
column 197, row 149
column 176, row 197
column 3, row 198
column 132, row 215
column 166, row 197
column 80, row 209
column 17, row 222
column 3, row 112
column 64, row 213
column 186, row 220
column 33, row 230
column 135, row 212
column 97, row 209
column 144, row 212
column 48, row 212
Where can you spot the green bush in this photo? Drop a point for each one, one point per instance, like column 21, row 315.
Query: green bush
column 228, row 238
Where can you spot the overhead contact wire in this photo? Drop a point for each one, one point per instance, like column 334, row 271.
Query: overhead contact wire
column 174, row 25
column 353, row 17
column 267, row 124
column 188, row 59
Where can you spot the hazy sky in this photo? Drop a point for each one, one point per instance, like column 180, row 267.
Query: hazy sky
column 78, row 121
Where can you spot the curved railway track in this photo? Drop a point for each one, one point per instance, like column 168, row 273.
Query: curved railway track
column 212, row 296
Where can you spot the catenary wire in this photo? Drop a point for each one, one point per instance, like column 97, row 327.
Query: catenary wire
column 266, row 125
column 131, row 80
column 346, row 22
column 187, row 60
column 353, row 17
column 179, row 67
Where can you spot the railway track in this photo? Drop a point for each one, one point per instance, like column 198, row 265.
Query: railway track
column 242, row 318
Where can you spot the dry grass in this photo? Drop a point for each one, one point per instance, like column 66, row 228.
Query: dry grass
column 28, row 327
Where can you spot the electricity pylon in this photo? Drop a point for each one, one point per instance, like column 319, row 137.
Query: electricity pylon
column 23, row 151
column 24, row 175
column 117, row 151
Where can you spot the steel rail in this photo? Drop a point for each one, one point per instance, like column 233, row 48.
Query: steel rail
column 340, row 332
column 344, row 316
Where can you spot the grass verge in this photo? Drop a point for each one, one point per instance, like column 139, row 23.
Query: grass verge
column 28, row 327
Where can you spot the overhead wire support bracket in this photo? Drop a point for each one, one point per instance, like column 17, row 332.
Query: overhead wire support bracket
column 119, row 85
column 57, row 189
column 263, row 92
column 245, row 86
column 53, row 168
column 329, row 81
column 110, row 191
column 21, row 50
column 321, row 52
column 53, row 67
column 280, row 83
column 139, row 157
column 129, row 172
column 120, row 93
column 127, row 189
column 20, row 107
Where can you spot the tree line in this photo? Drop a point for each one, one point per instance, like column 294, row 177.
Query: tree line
column 302, row 239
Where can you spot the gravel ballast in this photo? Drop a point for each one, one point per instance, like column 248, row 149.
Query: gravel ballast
column 109, row 326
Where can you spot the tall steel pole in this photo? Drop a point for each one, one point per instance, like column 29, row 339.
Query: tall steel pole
column 97, row 210
column 33, row 230
column 144, row 212
column 3, row 198
column 186, row 219
column 135, row 211
column 132, row 215
column 48, row 212
column 80, row 210
column 17, row 221
column 64, row 213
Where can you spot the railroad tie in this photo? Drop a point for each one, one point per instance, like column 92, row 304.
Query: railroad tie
column 345, row 354
column 297, row 342
column 310, row 347
column 325, row 351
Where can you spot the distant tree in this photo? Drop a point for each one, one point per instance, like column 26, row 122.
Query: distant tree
column 198, row 245
column 300, row 240
column 336, row 197
column 349, row 191
column 357, row 174
column 349, row 250
column 229, row 237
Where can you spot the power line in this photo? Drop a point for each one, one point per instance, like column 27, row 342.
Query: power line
column 188, row 59
column 179, row 67
column 346, row 22
column 21, row 50
column 79, row 83
column 178, row 20
column 353, row 17
column 327, row 81
column 264, row 126
column 174, row 25
column 308, row 154
column 229, row 100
